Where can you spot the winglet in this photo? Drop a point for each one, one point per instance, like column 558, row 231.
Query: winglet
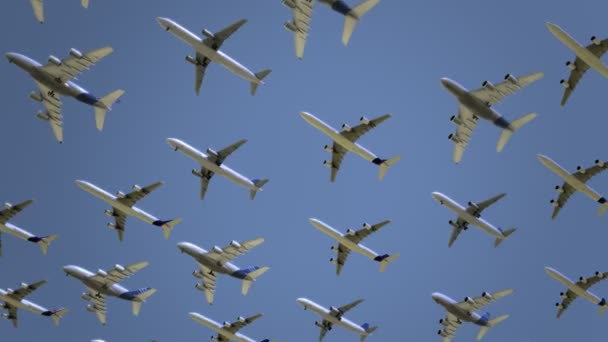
column 106, row 101
column 514, row 126
column 505, row 234
column 385, row 259
column 260, row 76
column 259, row 183
column 251, row 277
column 351, row 19
column 385, row 164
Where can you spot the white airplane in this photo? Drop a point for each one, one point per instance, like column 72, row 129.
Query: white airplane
column 586, row 57
column 105, row 283
column 472, row 215
column 351, row 241
column 15, row 299
column 574, row 182
column 38, row 7
column 335, row 315
column 456, row 313
column 302, row 13
column 54, row 79
column 478, row 103
column 578, row 289
column 8, row 213
column 212, row 163
column 345, row 141
column 208, row 51
column 227, row 331
column 123, row 205
column 218, row 261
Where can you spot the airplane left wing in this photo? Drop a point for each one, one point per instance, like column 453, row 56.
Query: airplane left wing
column 76, row 63
column 221, row 155
column 138, row 193
column 345, row 308
column 241, row 322
column 450, row 325
column 52, row 104
column 566, row 190
column 38, row 7
column 25, row 290
column 233, row 250
column 118, row 273
column 10, row 210
column 474, row 304
column 300, row 24
column 466, row 122
column 579, row 68
column 476, row 209
column 342, row 254
column 492, row 94
column 366, row 231
column 215, row 40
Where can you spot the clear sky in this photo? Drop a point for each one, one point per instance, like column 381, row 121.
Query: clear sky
column 393, row 64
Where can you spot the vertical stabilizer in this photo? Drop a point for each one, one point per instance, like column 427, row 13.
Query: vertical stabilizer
column 56, row 315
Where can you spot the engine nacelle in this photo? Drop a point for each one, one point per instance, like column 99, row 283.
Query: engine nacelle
column 4, row 315
column 564, row 84
column 23, row 286
column 563, row 295
column 346, row 127
column 333, row 248
column 456, row 120
column 235, row 244
column 580, row 169
column 197, row 274
column 91, row 308
column 599, row 275
column 333, row 261
column 559, row 189
column 212, row 152
column 102, row 273
column 487, row 85
column 452, row 223
column 54, row 60
column 559, row 306
column 136, row 188
column 120, row 194
column 554, row 203
column 191, row 60
column 319, row 324
column 328, row 164
column 197, row 173
column 367, row 226
column 596, row 41
column 43, row 116
column 241, row 319
column 599, row 163
column 289, row 3
column 7, row 205
column 111, row 225
column 364, row 120
column 571, row 65
column 199, row 287
column 208, row 34
column 511, row 78
column 227, row 325
column 350, row 232
column 218, row 250
column 469, row 300
column 335, row 310
column 85, row 296
column 119, row 268
column 109, row 213
column 453, row 138
column 486, row 295
column 583, row 280
column 290, row 26
column 474, row 205
column 75, row 53
column 35, row 96
column 328, row 148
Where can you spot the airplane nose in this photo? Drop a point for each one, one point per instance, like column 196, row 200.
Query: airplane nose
column 435, row 296
column 172, row 142
column 182, row 246
column 445, row 82
column 10, row 56
column 164, row 23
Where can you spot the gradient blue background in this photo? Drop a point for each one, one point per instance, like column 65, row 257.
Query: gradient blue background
column 393, row 64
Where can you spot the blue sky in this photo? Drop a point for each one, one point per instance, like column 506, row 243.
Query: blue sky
column 393, row 64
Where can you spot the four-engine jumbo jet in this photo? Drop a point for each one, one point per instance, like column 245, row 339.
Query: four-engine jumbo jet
column 105, row 283
column 123, row 205
column 472, row 215
column 334, row 315
column 345, row 141
column 578, row 289
column 586, row 57
column 54, row 79
column 15, row 299
column 302, row 13
column 212, row 163
column 574, row 182
column 208, row 51
column 351, row 241
column 227, row 331
column 8, row 213
column 217, row 260
column 465, row 312
column 38, row 7
column 478, row 103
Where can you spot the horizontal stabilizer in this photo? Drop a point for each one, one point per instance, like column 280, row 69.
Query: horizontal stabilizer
column 385, row 164
column 387, row 260
column 107, row 101
column 351, row 19
column 140, row 298
column 260, row 76
column 251, row 277
column 505, row 234
column 169, row 226
column 368, row 330
column 514, row 126
column 492, row 323
column 45, row 241
column 56, row 315
column 259, row 183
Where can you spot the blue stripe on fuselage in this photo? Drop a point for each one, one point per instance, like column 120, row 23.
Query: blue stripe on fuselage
column 242, row 273
column 502, row 123
column 133, row 294
column 341, row 7
column 87, row 98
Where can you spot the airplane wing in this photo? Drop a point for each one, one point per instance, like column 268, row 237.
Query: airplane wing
column 466, row 121
column 24, row 291
column 325, row 326
column 52, row 104
column 12, row 314
column 585, row 284
column 345, row 308
column 300, row 24
column 38, row 7
column 118, row 273
column 566, row 190
column 457, row 228
column 76, row 63
column 205, row 176
column 208, row 285
column 492, row 94
column 216, row 39
column 337, row 155
column 239, row 324
column 233, row 250
column 342, row 253
column 365, row 231
column 450, row 325
column 9, row 212
column 98, row 305
column 486, row 298
column 219, row 157
column 579, row 68
column 120, row 221
column 200, row 64
column 475, row 209
column 138, row 193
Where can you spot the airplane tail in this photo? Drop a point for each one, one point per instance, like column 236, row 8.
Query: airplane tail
column 251, row 275
column 514, row 126
column 505, row 234
column 260, row 76
column 368, row 330
column 385, row 164
column 56, row 314
column 385, row 259
column 483, row 330
column 44, row 242
column 351, row 19
column 85, row 3
column 106, row 101
column 138, row 297
column 167, row 226
column 259, row 183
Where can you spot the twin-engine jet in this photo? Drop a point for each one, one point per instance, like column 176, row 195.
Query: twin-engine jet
column 208, row 50
column 38, row 7
column 123, row 205
column 335, row 315
column 578, row 289
column 55, row 79
column 478, row 103
column 456, row 313
column 213, row 163
column 227, row 331
column 218, row 261
column 345, row 141
column 574, row 182
column 105, row 283
column 472, row 215
column 352, row 241
column 302, row 13
column 586, row 57
column 15, row 299
column 8, row 213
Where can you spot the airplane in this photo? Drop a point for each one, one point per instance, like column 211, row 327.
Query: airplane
column 574, row 182
column 15, row 299
column 465, row 312
column 351, row 241
column 478, row 103
column 302, row 13
column 212, row 163
column 472, row 215
column 123, row 205
column 54, row 79
column 227, row 331
column 218, row 261
column 38, row 7
column 208, row 50
column 335, row 315
column 345, row 141
column 586, row 57
column 105, row 283
column 578, row 289
column 8, row 213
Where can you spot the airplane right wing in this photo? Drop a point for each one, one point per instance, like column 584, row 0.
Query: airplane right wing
column 120, row 221
column 233, row 250
column 52, row 104
column 118, row 273
column 76, row 63
column 205, row 176
column 200, row 63
column 450, row 325
column 583, row 283
column 241, row 322
column 300, row 24
column 474, row 304
column 215, row 40
column 476, row 209
column 466, row 122
column 325, row 326
column 457, row 228
column 579, row 68
column 38, row 7
column 345, row 308
column 12, row 314
column 208, row 284
column 138, row 193
column 366, row 231
column 566, row 190
column 221, row 155
column 98, row 305
column 10, row 210
column 494, row 93
column 25, row 290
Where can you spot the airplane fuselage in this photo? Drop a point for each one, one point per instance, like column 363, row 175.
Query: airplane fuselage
column 21, row 304
column 11, row 229
column 571, row 285
column 568, row 178
column 218, row 328
column 342, row 239
column 326, row 315
column 200, row 255
column 86, row 277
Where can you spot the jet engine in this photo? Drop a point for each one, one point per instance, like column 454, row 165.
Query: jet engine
column 328, row 148
column 580, row 169
column 36, row 96
column 367, row 226
column 290, row 26
column 563, row 295
column 453, row 138
column 111, row 225
column 328, row 164
column 43, row 116
column 109, row 213
column 7, row 205
column 469, row 300
column 599, row 275
column 227, row 325
column 599, row 163
column 333, row 248
column 456, row 120
column 559, row 189
column 54, row 60
column 571, row 65
column 197, row 173
column 333, row 261
column 120, row 194
column 136, row 188
column 102, row 273
column 554, row 203
column 346, row 127
column 218, row 250
column 191, row 60
column 208, row 34
column 289, row 3
column 75, row 53
column 197, row 274
column 212, row 152
column 474, row 205
column 235, row 244
column 91, row 308
column 511, row 78
column 85, row 296
column 596, row 41
column 350, row 232
column 119, row 268
column 487, row 85
column 199, row 287
column 335, row 311
column 24, row 286
column 486, row 295
column 364, row 120
column 559, row 306
column 583, row 280
column 564, row 84
column 241, row 319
